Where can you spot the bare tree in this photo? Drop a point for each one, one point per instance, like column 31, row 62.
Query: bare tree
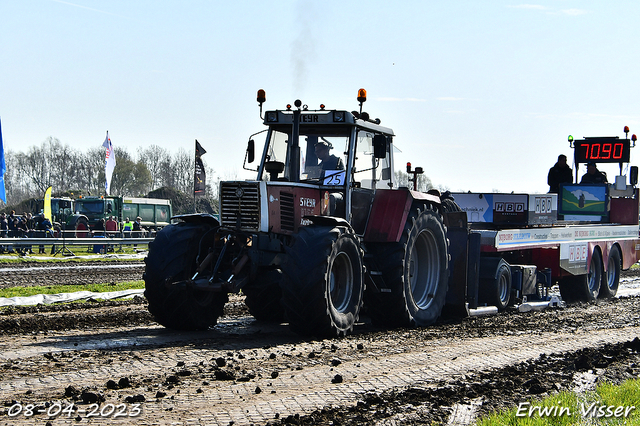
column 54, row 164
column 50, row 164
column 182, row 170
column 90, row 171
column 403, row 179
column 18, row 186
column 155, row 159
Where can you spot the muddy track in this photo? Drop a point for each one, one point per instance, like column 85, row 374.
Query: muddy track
column 247, row 372
column 31, row 273
column 69, row 273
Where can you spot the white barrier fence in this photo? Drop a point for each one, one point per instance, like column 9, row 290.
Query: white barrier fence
column 98, row 244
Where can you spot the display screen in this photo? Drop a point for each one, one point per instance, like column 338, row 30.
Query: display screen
column 602, row 150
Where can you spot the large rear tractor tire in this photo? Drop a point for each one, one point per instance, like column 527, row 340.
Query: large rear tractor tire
column 263, row 296
column 323, row 281
column 172, row 257
column 416, row 271
column 583, row 288
column 611, row 280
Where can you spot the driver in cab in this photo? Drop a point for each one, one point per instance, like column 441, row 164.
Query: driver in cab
column 329, row 161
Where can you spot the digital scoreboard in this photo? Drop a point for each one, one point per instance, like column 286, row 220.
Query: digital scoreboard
column 602, row 150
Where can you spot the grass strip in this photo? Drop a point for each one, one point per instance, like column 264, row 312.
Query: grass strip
column 97, row 288
column 16, row 257
column 609, row 404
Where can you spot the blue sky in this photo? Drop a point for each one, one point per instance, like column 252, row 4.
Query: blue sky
column 481, row 94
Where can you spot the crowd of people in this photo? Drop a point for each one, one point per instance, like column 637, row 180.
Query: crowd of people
column 38, row 226
column 24, row 226
column 110, row 228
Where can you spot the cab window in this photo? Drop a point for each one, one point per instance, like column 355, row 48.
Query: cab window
column 370, row 172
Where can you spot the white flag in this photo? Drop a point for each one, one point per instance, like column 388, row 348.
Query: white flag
column 109, row 163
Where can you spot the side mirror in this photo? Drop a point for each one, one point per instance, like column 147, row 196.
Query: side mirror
column 633, row 175
column 251, row 151
column 380, row 146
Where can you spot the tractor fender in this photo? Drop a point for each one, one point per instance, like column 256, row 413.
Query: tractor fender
column 390, row 210
column 329, row 221
column 198, row 218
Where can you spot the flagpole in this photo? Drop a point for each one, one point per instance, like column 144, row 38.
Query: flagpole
column 3, row 169
column 199, row 175
column 109, row 164
column 194, row 180
column 106, row 187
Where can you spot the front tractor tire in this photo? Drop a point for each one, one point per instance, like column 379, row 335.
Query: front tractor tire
column 172, row 258
column 416, row 272
column 263, row 296
column 323, row 281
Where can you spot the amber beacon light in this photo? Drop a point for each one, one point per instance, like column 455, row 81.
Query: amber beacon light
column 362, row 95
column 262, row 96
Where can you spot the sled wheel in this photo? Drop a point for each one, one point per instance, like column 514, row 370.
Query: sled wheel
column 611, row 281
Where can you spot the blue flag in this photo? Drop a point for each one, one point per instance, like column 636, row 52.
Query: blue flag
column 3, row 169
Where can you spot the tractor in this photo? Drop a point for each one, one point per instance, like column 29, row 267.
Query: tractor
column 321, row 235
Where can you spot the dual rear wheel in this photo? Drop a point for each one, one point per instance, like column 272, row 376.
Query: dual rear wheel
column 596, row 283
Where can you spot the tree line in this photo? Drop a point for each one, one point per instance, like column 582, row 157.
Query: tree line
column 71, row 171
column 152, row 171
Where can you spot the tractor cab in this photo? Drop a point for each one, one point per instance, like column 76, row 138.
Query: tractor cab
column 345, row 154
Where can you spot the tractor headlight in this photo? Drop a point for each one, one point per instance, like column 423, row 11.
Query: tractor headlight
column 338, row 116
column 272, row 116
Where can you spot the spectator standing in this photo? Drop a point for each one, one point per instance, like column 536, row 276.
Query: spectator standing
column 558, row 174
column 22, row 232
column 4, row 226
column 111, row 227
column 47, row 232
column 12, row 223
column 4, row 230
column 127, row 227
column 11, row 220
column 31, row 226
column 31, row 223
column 99, row 228
column 138, row 230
